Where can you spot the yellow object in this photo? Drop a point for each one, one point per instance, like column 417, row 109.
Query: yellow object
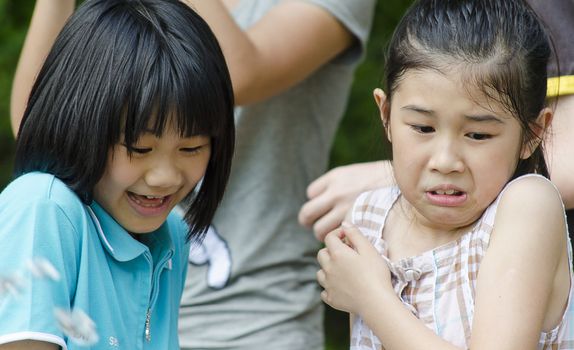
column 560, row 86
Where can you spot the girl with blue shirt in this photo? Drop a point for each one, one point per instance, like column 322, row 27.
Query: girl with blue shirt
column 131, row 114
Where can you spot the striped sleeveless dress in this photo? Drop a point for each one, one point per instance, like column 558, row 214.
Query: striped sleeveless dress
column 438, row 286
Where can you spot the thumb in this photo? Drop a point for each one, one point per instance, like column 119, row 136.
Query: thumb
column 335, row 239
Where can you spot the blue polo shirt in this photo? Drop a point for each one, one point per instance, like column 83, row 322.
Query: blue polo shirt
column 72, row 276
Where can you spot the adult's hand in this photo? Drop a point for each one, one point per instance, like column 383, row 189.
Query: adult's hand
column 332, row 195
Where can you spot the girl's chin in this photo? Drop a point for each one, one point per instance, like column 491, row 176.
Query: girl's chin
column 143, row 229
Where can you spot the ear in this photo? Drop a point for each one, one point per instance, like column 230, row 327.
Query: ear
column 539, row 127
column 384, row 109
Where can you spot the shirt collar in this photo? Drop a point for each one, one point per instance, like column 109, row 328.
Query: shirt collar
column 120, row 244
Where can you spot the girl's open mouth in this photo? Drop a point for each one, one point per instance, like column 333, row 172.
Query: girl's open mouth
column 148, row 205
column 147, row 201
column 446, row 198
column 447, row 192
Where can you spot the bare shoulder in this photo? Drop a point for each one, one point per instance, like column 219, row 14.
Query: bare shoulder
column 530, row 208
column 532, row 193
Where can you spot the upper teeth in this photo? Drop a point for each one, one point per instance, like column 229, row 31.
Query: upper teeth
column 445, row 191
column 153, row 197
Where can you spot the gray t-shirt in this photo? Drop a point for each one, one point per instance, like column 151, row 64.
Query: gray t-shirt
column 251, row 284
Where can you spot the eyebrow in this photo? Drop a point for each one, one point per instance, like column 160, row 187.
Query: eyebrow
column 476, row 118
column 485, row 118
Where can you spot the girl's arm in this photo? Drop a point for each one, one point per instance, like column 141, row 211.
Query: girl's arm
column 29, row 345
column 47, row 20
column 524, row 279
column 291, row 41
column 522, row 287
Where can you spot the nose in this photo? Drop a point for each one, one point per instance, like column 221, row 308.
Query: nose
column 164, row 173
column 446, row 157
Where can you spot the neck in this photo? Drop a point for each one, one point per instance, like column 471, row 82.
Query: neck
column 408, row 233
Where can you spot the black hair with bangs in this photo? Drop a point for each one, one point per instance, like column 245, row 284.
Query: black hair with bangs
column 499, row 46
column 117, row 67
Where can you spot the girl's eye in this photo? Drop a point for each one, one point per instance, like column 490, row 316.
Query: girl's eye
column 478, row 136
column 191, row 150
column 137, row 150
column 141, row 150
column 422, row 129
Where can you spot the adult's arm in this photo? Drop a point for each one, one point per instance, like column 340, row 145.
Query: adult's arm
column 47, row 20
column 290, row 42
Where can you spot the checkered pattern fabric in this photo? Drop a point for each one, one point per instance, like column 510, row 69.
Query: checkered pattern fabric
column 438, row 286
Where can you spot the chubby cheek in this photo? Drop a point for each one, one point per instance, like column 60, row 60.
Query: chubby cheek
column 199, row 169
column 496, row 172
column 408, row 165
column 118, row 175
column 410, row 185
column 196, row 169
column 109, row 189
column 121, row 176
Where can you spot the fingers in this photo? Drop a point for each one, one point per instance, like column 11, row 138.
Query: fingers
column 314, row 209
column 321, row 278
column 318, row 204
column 325, row 297
column 323, row 257
column 329, row 222
column 355, row 238
column 317, row 187
column 335, row 240
column 330, row 197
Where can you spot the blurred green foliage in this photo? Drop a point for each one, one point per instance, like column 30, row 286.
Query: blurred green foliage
column 359, row 138
column 14, row 18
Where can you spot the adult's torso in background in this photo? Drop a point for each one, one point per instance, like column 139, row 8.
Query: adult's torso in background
column 251, row 284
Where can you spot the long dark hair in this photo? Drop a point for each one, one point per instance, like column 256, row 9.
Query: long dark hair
column 500, row 43
column 116, row 66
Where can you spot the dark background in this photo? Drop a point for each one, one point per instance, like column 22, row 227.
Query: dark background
column 359, row 137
